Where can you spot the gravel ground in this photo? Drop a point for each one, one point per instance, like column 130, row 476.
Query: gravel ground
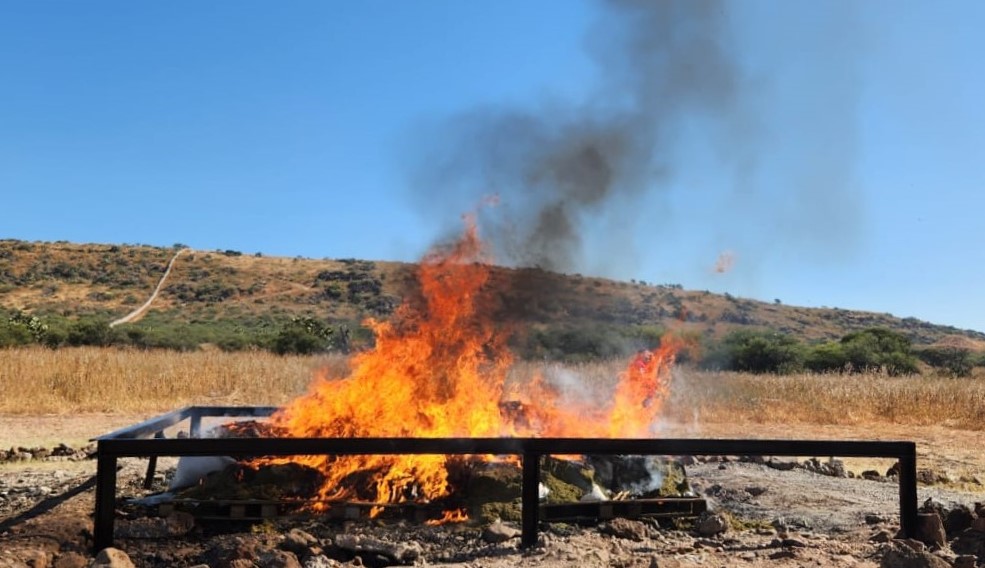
column 777, row 518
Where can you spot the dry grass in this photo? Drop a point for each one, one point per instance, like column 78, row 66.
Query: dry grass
column 37, row 381
column 807, row 398
column 88, row 379
column 830, row 399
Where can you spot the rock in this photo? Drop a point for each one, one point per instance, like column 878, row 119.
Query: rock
column 898, row 555
column 837, row 468
column 279, row 559
column 782, row 465
column 320, row 561
column 710, row 524
column 71, row 560
column 957, row 520
column 112, row 558
column 399, row 551
column 882, row 536
column 179, row 523
column 624, row 528
column 499, row 532
column 755, row 490
column 241, row 563
column 964, row 561
column 913, row 544
column 926, row 477
column 874, row 519
column 970, row 542
column 239, row 548
column 871, row 475
column 793, row 543
column 34, row 558
column 298, row 542
column 930, row 529
column 978, row 524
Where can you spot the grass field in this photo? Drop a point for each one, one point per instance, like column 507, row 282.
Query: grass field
column 81, row 380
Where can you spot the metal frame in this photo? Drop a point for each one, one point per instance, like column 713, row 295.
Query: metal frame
column 147, row 440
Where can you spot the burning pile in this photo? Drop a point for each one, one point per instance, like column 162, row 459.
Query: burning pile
column 439, row 369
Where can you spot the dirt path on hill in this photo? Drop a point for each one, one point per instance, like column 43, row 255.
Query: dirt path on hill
column 139, row 312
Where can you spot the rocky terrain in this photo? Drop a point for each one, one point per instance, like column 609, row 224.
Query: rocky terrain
column 764, row 513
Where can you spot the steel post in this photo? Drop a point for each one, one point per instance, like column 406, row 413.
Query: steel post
column 102, row 530
column 530, row 498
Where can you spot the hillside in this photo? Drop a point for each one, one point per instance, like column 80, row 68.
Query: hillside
column 245, row 293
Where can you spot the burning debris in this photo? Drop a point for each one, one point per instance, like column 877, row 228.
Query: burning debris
column 439, row 368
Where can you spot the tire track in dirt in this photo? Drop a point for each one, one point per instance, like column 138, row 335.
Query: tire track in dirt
column 139, row 312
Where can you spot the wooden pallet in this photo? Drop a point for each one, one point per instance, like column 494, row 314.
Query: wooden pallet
column 258, row 509
column 666, row 507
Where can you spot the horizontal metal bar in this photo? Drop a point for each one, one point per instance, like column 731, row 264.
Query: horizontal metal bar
column 150, row 426
column 240, row 411
column 157, row 424
column 242, row 447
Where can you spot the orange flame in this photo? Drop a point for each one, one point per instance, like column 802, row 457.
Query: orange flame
column 438, row 369
column 450, row 516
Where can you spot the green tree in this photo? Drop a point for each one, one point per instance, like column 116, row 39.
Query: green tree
column 303, row 336
column 13, row 335
column 826, row 357
column 950, row 360
column 89, row 331
column 756, row 352
column 879, row 348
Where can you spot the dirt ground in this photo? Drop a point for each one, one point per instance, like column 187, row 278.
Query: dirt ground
column 779, row 518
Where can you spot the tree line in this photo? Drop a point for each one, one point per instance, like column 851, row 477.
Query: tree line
column 755, row 351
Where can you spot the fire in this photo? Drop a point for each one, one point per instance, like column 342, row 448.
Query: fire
column 450, row 516
column 439, row 369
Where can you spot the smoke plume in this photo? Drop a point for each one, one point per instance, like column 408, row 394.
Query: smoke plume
column 557, row 166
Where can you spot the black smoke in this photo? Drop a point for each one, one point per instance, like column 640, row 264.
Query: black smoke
column 556, row 166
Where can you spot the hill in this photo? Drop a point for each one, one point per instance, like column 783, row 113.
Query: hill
column 227, row 297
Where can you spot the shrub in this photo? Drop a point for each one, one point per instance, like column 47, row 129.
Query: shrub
column 89, row 331
column 13, row 335
column 826, row 357
column 951, row 360
column 871, row 350
column 303, row 336
column 756, row 352
column 879, row 348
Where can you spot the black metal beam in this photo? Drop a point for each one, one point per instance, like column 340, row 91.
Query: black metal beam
column 529, row 499
column 102, row 530
column 127, row 442
column 241, row 447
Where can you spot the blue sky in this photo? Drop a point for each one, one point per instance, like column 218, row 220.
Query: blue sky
column 845, row 170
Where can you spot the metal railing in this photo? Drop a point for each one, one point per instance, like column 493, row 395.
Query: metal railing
column 146, row 440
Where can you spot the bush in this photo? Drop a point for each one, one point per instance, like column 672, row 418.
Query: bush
column 874, row 349
column 575, row 344
column 89, row 331
column 756, row 352
column 13, row 335
column 303, row 336
column 951, row 360
column 826, row 357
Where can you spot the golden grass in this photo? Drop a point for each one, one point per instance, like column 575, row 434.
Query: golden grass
column 830, row 399
column 86, row 379
column 805, row 398
column 90, row 379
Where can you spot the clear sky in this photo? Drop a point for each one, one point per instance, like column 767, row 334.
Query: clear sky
column 835, row 151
